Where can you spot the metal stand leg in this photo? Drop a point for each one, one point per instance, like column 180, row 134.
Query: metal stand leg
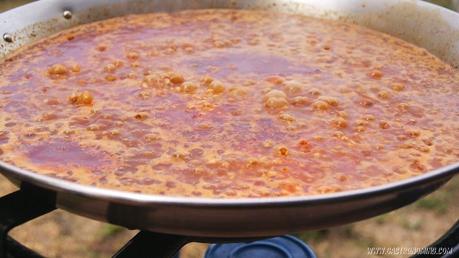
column 147, row 244
column 19, row 207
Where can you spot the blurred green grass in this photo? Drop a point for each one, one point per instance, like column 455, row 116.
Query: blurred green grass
column 109, row 230
column 444, row 3
column 440, row 200
column 8, row 4
column 418, row 225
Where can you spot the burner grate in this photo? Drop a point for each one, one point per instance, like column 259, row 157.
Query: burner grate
column 31, row 202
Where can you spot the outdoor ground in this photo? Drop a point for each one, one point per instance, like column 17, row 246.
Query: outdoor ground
column 61, row 234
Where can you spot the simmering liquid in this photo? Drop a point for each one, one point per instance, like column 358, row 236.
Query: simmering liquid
column 226, row 103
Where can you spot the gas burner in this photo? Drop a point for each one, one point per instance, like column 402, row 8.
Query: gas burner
column 31, row 202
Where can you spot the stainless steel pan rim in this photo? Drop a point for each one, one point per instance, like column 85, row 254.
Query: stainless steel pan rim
column 66, row 6
column 421, row 23
column 145, row 199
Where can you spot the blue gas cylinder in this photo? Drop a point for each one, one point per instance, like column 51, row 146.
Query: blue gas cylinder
column 278, row 247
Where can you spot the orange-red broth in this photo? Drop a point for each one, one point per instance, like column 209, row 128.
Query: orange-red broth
column 221, row 103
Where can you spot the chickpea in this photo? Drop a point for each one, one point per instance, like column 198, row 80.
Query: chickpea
column 276, row 103
column 152, row 137
column 118, row 63
column 342, row 178
column 275, row 79
column 221, row 43
column 152, row 80
column 189, row 87
column 343, row 114
column 110, row 68
column 48, row 117
column 398, row 87
column 320, row 105
column 287, row 117
column 69, row 132
column 293, row 87
column 300, row 101
column 361, row 122
column 58, row 69
column 188, row 49
column 417, row 165
column 114, row 132
column 94, row 127
column 52, row 102
column 76, row 68
column 101, row 47
column 330, row 101
column 84, row 98
column 132, row 55
column 275, row 94
column 176, row 78
column 414, row 133
column 144, row 94
column 207, row 80
column 141, row 116
column 340, row 123
column 238, row 91
column 376, row 74
column 268, row 144
column 403, row 107
column 110, row 78
column 314, row 92
column 304, row 145
column 384, row 125
column 283, row 151
column 383, row 94
column 365, row 102
column 360, row 129
column 288, row 187
column 217, row 87
column 369, row 117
